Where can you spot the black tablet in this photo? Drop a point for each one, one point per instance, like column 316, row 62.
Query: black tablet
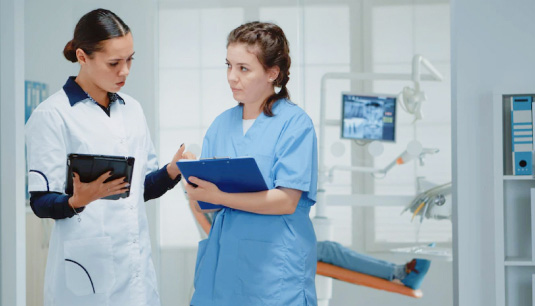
column 90, row 167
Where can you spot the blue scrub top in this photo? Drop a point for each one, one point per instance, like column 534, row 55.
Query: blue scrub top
column 254, row 259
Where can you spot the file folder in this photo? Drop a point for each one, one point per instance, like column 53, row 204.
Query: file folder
column 231, row 175
column 522, row 134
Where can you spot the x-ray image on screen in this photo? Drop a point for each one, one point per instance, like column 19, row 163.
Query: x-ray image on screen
column 368, row 117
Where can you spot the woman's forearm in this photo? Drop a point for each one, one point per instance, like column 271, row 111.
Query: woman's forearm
column 51, row 205
column 279, row 201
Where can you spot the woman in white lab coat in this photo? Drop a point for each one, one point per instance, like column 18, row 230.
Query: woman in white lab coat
column 102, row 256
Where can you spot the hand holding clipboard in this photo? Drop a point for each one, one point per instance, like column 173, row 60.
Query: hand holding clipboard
column 232, row 175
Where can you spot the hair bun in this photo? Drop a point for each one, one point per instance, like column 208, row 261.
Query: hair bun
column 69, row 52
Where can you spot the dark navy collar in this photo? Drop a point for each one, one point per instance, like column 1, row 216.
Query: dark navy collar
column 75, row 93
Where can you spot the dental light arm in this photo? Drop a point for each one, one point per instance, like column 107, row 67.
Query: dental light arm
column 417, row 61
column 426, row 151
column 414, row 150
column 414, row 97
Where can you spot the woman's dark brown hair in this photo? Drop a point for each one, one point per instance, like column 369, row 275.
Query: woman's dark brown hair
column 271, row 48
column 93, row 28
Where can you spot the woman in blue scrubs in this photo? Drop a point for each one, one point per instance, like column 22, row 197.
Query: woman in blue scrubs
column 262, row 247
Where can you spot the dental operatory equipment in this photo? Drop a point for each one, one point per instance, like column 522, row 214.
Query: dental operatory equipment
column 412, row 100
column 431, row 204
column 368, row 117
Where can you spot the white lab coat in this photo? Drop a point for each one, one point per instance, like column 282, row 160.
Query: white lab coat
column 106, row 258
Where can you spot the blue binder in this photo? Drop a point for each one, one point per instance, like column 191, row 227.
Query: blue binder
column 522, row 135
column 231, row 175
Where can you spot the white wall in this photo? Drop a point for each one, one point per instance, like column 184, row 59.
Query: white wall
column 492, row 49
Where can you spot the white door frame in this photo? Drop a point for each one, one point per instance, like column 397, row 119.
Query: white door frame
column 12, row 168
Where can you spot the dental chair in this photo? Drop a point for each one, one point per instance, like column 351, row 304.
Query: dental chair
column 332, row 271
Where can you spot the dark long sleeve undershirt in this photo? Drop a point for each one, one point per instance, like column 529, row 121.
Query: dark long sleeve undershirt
column 158, row 182
column 56, row 205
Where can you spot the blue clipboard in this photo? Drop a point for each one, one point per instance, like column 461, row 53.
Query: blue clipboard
column 231, row 175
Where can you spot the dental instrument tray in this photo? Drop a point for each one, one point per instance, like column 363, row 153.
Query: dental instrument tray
column 90, row 167
column 231, row 175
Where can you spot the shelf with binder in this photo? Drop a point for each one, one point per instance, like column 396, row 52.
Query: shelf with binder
column 520, row 125
column 514, row 205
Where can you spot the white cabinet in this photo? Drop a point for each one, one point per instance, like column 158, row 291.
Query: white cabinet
column 514, row 211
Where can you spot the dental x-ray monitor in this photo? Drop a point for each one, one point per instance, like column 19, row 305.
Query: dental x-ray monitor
column 369, row 117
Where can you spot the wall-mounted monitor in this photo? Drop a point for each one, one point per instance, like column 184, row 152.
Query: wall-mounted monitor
column 369, row 117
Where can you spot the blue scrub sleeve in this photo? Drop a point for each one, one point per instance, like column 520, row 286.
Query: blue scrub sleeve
column 52, row 205
column 158, row 182
column 296, row 157
column 206, row 152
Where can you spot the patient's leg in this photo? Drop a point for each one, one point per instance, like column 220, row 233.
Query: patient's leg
column 410, row 274
column 336, row 254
